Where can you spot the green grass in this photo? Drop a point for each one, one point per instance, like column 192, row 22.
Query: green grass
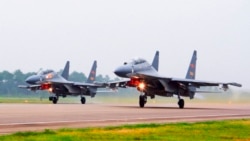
column 238, row 130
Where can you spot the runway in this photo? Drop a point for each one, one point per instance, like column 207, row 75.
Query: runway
column 35, row 117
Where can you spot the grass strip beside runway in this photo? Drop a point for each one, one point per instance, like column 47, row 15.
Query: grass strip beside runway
column 212, row 130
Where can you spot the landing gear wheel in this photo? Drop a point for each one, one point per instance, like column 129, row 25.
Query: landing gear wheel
column 51, row 98
column 83, row 100
column 181, row 103
column 55, row 99
column 142, row 100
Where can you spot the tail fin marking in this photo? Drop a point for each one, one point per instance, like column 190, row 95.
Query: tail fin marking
column 92, row 74
column 192, row 67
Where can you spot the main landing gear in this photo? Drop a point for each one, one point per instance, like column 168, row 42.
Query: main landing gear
column 142, row 100
column 54, row 99
column 181, row 102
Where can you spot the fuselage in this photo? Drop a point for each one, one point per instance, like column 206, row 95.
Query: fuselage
column 40, row 77
column 128, row 69
column 151, row 87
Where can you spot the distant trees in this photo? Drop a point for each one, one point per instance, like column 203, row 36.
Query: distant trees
column 9, row 81
column 77, row 76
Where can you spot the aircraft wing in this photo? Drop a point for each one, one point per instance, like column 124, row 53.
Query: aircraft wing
column 99, row 85
column 156, row 77
column 199, row 83
column 106, row 91
column 115, row 84
column 30, row 87
column 73, row 83
column 196, row 83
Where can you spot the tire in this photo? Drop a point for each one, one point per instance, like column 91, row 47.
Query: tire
column 181, row 103
column 83, row 100
column 55, row 100
column 51, row 98
column 142, row 101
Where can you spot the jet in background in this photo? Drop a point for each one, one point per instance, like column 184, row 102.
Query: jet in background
column 59, row 85
column 149, row 82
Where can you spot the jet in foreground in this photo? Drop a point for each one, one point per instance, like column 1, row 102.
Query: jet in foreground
column 149, row 82
column 60, row 86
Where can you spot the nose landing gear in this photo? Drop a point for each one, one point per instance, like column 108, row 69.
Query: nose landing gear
column 83, row 100
column 54, row 99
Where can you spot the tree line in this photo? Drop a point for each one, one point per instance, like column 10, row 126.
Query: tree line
column 9, row 81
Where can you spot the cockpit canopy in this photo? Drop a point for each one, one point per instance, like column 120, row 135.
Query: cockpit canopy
column 44, row 72
column 136, row 61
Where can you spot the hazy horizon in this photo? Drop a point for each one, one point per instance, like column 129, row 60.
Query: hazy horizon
column 46, row 34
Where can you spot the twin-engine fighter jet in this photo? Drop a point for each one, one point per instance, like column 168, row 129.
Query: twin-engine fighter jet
column 149, row 82
column 59, row 85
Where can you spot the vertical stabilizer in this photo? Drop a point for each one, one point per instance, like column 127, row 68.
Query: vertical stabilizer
column 155, row 62
column 65, row 73
column 92, row 74
column 192, row 67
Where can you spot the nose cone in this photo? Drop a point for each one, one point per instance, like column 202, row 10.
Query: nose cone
column 122, row 71
column 32, row 79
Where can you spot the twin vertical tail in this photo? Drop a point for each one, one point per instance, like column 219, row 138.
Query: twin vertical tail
column 191, row 74
column 91, row 79
column 155, row 62
column 192, row 67
column 92, row 74
column 65, row 73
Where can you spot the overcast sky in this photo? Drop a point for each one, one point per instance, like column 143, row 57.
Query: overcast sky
column 45, row 34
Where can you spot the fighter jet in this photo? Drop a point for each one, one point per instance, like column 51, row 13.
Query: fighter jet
column 59, row 85
column 149, row 82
